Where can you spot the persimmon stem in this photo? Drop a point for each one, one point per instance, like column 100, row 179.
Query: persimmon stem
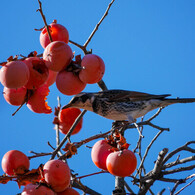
column 44, row 20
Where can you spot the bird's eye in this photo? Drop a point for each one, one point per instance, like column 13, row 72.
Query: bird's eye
column 75, row 99
column 84, row 98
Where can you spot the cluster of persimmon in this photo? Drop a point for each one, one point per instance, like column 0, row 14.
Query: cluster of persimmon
column 28, row 80
column 112, row 155
column 54, row 178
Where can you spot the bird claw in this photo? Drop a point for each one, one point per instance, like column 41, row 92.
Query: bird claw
column 119, row 125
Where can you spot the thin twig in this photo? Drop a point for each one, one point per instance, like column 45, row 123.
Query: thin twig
column 177, row 162
column 128, row 188
column 44, row 20
column 178, row 182
column 39, row 154
column 88, row 175
column 68, row 134
column 184, row 187
column 57, row 125
column 98, row 24
column 147, row 150
column 184, row 147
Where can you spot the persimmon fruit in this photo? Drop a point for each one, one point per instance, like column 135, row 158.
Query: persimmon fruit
column 15, row 97
column 58, row 33
column 35, row 189
column 14, row 74
column 38, row 72
column 15, row 162
column 67, row 117
column 99, row 153
column 68, row 83
column 37, row 100
column 51, row 78
column 93, row 69
column 121, row 163
column 57, row 175
column 57, row 55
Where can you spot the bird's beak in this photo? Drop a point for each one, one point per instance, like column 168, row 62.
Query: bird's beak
column 66, row 106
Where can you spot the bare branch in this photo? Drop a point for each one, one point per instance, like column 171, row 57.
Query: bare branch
column 185, row 187
column 68, row 134
column 44, row 20
column 184, row 147
column 39, row 154
column 177, row 162
column 180, row 169
column 77, row 184
column 102, row 85
column 88, row 175
column 156, row 172
column 98, row 24
column 147, row 150
column 161, row 192
column 128, row 188
column 180, row 182
column 148, row 122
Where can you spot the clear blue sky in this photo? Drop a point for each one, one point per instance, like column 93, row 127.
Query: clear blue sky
column 147, row 46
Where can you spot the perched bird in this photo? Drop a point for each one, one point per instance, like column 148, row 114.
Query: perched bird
column 122, row 105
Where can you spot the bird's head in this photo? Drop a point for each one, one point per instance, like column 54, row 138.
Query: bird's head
column 81, row 100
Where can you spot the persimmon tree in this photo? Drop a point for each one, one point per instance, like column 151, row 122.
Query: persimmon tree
column 26, row 80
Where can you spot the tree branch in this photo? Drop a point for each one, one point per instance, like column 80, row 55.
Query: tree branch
column 98, row 24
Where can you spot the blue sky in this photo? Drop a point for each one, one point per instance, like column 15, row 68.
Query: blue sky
column 147, row 46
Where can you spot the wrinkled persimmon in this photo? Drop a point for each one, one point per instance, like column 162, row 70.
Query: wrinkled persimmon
column 38, row 72
column 37, row 100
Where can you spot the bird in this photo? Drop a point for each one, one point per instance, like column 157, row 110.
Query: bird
column 122, row 105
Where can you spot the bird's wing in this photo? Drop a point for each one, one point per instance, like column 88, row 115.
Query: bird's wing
column 123, row 95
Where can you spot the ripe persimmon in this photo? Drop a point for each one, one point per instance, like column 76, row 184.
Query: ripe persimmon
column 93, row 69
column 99, row 153
column 15, row 162
column 35, row 189
column 68, row 83
column 57, row 55
column 15, row 97
column 121, row 163
column 67, row 117
column 58, row 33
column 57, row 175
column 14, row 74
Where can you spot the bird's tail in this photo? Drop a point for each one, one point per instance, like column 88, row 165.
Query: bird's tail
column 179, row 100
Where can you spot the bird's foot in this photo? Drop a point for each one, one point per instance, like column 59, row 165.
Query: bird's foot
column 119, row 126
